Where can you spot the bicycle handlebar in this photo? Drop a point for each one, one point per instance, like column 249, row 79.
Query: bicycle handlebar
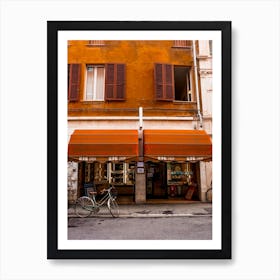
column 106, row 190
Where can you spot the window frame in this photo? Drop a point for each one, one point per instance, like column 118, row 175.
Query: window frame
column 94, row 94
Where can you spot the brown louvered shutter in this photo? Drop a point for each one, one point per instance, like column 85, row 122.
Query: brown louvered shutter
column 164, row 82
column 74, row 75
column 115, row 82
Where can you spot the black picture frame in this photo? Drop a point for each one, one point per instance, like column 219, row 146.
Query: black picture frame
column 53, row 27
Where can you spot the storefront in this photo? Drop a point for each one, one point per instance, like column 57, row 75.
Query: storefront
column 170, row 167
column 172, row 180
column 173, row 165
column 105, row 157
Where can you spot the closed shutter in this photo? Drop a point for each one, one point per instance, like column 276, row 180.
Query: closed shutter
column 115, row 82
column 74, row 75
column 164, row 82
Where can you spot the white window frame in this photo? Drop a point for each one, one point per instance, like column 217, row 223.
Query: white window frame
column 94, row 95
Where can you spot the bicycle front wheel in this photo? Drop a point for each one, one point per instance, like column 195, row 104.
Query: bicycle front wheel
column 84, row 206
column 113, row 207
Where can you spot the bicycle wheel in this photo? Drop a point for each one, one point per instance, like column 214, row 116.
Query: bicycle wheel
column 113, row 208
column 84, row 206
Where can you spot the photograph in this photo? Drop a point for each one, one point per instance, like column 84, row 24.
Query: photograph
column 139, row 143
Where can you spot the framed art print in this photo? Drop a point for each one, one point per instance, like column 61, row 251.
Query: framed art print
column 139, row 140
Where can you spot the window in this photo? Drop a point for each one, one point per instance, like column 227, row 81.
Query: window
column 172, row 83
column 181, row 44
column 210, row 47
column 95, row 43
column 182, row 83
column 95, row 77
column 102, row 82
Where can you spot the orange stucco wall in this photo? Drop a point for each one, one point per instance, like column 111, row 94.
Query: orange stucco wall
column 139, row 57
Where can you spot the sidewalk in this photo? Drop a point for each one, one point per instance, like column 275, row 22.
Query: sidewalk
column 155, row 210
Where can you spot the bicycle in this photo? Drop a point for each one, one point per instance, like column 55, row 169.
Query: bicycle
column 86, row 205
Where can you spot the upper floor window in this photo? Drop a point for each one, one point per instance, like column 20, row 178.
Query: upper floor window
column 95, row 77
column 102, row 82
column 181, row 44
column 173, row 83
column 182, row 81
column 95, row 43
column 210, row 47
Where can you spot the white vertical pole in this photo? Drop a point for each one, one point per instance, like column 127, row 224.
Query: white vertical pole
column 140, row 117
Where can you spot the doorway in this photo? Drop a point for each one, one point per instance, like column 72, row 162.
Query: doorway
column 156, row 180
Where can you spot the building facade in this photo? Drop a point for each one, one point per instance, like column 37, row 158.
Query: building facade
column 140, row 118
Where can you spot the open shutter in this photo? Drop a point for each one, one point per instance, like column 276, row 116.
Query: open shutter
column 74, row 75
column 164, row 82
column 115, row 82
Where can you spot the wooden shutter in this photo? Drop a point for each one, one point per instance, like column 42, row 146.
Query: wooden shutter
column 74, row 77
column 164, row 82
column 115, row 82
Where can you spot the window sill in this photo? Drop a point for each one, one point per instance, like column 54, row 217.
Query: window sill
column 179, row 102
column 91, row 101
column 95, row 45
column 182, row 47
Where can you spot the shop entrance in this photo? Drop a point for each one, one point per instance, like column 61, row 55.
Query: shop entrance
column 156, row 180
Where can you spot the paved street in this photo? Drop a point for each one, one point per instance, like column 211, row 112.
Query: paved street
column 174, row 228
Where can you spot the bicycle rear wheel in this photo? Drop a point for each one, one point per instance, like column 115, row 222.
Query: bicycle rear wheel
column 84, row 206
column 113, row 208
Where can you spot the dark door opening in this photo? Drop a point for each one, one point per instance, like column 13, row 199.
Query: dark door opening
column 156, row 181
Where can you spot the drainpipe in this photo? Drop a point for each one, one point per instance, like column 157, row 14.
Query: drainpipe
column 196, row 85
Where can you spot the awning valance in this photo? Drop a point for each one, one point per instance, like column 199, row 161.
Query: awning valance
column 169, row 144
column 103, row 143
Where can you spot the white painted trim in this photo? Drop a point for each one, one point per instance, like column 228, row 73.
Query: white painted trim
column 130, row 118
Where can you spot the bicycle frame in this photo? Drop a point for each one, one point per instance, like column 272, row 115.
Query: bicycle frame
column 103, row 199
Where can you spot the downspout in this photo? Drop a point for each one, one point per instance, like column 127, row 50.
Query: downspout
column 196, row 85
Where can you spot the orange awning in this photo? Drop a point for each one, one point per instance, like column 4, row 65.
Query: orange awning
column 103, row 143
column 177, row 143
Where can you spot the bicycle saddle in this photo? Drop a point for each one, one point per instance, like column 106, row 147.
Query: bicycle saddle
column 92, row 193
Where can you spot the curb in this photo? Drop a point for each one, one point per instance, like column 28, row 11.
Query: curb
column 144, row 215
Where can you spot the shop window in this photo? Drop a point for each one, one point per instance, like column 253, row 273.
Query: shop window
column 121, row 173
column 172, row 83
column 182, row 180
